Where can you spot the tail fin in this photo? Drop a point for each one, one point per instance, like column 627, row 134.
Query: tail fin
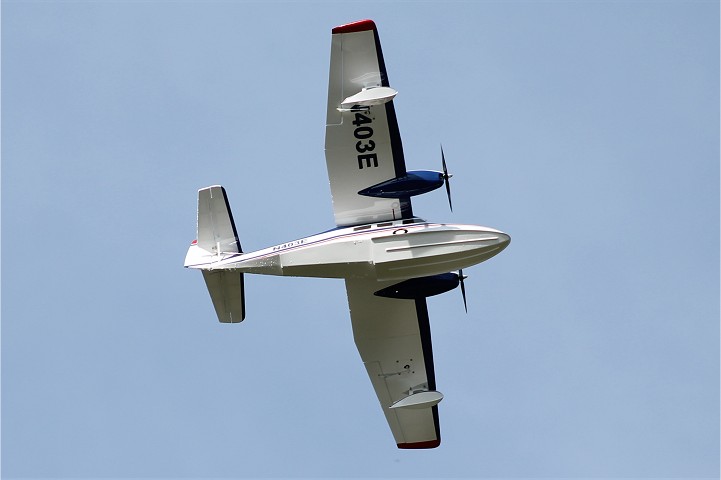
column 217, row 237
column 216, row 229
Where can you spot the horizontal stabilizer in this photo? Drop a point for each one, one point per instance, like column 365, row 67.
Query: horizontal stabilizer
column 226, row 292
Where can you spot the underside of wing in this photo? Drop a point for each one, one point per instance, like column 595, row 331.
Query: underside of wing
column 394, row 340
column 362, row 144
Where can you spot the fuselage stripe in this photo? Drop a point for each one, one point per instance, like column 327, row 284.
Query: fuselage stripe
column 256, row 255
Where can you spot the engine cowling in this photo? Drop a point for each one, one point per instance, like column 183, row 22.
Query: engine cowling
column 421, row 287
column 413, row 183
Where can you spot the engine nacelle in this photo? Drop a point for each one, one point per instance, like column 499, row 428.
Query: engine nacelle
column 413, row 183
column 421, row 287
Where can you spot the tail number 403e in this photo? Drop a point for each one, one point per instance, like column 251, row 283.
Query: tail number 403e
column 363, row 133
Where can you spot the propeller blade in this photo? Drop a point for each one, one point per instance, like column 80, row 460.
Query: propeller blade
column 446, row 177
column 462, row 277
column 443, row 159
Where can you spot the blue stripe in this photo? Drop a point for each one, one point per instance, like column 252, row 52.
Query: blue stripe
column 399, row 161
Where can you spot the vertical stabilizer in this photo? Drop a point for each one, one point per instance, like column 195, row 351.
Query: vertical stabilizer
column 216, row 229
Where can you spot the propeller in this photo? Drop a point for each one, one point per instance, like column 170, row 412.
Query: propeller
column 446, row 177
column 462, row 277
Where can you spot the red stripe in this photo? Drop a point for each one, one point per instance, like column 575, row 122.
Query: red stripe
column 359, row 26
column 428, row 444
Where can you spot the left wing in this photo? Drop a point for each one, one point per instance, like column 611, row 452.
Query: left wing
column 362, row 142
column 393, row 337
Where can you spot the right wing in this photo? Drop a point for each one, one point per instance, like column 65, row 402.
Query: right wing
column 362, row 147
column 393, row 337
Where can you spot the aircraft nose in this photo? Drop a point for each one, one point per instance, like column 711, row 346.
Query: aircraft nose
column 504, row 239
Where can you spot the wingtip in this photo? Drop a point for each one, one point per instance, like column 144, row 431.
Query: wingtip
column 359, row 26
column 420, row 445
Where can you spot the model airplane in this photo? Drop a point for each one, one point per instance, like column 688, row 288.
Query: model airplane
column 390, row 259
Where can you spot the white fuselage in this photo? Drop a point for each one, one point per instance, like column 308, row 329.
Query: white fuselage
column 386, row 251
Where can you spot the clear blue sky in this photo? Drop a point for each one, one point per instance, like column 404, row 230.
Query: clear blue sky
column 589, row 131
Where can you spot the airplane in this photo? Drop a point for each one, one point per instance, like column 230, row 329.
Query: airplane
column 390, row 259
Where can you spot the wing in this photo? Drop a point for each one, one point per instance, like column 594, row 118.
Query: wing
column 394, row 340
column 362, row 145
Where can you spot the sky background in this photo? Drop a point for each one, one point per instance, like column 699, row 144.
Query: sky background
column 589, row 131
